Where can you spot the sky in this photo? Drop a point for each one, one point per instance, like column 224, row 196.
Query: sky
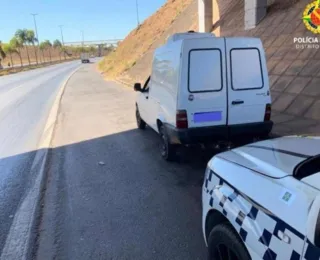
column 99, row 19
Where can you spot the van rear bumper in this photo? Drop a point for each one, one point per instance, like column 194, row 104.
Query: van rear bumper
column 262, row 129
column 217, row 133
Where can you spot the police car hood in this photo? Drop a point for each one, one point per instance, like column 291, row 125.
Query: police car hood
column 276, row 158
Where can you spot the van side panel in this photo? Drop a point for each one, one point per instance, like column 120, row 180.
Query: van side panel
column 164, row 84
column 248, row 81
column 202, row 88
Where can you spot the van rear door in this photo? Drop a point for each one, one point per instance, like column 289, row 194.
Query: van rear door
column 202, row 90
column 248, row 83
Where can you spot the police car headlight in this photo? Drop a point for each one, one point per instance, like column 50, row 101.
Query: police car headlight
column 206, row 175
column 207, row 172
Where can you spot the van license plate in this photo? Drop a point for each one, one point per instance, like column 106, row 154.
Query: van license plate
column 207, row 117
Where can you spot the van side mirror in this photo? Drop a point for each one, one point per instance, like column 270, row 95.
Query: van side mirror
column 137, row 87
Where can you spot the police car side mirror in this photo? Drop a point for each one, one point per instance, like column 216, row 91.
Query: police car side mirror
column 313, row 225
column 137, row 87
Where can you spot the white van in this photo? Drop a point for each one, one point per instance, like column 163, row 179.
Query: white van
column 206, row 89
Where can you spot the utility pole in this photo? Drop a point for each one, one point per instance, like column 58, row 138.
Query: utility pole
column 36, row 29
column 82, row 38
column 61, row 34
column 137, row 7
column 64, row 51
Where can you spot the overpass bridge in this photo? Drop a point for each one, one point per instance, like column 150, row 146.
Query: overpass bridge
column 104, row 43
column 98, row 44
column 254, row 10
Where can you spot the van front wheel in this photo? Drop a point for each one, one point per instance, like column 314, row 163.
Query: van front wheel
column 168, row 150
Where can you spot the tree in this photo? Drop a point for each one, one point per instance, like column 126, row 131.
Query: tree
column 92, row 50
column 17, row 46
column 58, row 46
column 9, row 49
column 78, row 50
column 31, row 39
column 21, row 36
column 64, row 50
column 2, row 53
column 42, row 47
column 48, row 46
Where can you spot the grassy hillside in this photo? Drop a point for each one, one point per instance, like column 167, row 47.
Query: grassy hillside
column 140, row 40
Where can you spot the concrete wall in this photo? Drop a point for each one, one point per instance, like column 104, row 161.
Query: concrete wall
column 255, row 11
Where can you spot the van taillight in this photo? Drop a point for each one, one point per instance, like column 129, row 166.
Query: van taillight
column 182, row 119
column 267, row 114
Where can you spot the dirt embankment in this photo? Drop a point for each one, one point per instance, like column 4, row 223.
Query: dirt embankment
column 138, row 44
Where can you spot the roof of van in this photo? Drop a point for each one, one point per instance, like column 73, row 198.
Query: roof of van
column 189, row 35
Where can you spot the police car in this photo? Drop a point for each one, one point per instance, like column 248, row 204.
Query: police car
column 262, row 201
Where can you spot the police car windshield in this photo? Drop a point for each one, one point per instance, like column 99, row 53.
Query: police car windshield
column 307, row 167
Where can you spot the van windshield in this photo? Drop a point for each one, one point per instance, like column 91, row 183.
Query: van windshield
column 246, row 69
column 205, row 72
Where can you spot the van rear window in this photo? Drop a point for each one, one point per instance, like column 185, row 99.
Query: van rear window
column 205, row 70
column 246, row 69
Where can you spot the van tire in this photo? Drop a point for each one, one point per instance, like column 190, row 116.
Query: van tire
column 168, row 150
column 140, row 123
column 226, row 239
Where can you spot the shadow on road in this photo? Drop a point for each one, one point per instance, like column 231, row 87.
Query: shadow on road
column 120, row 184
column 17, row 175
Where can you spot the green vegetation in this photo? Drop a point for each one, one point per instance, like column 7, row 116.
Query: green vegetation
column 21, row 36
column 10, row 50
column 2, row 52
column 46, row 46
column 25, row 45
column 17, row 47
column 31, row 39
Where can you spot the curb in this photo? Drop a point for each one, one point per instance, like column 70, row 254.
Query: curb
column 21, row 238
column 122, row 82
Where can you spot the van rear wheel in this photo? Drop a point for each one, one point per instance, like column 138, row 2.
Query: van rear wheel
column 140, row 123
column 168, row 150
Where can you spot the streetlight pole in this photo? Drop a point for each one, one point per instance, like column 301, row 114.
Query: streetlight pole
column 61, row 34
column 82, row 38
column 36, row 29
column 137, row 7
column 64, row 54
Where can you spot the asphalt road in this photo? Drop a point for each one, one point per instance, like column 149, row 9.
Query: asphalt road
column 109, row 193
column 25, row 101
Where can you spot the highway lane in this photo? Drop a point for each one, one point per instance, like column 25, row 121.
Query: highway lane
column 25, row 64
column 109, row 194
column 25, row 102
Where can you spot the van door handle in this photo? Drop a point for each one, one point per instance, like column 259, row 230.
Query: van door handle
column 237, row 102
column 147, row 97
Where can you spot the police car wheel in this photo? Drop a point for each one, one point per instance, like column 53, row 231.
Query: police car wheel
column 140, row 123
column 168, row 151
column 225, row 244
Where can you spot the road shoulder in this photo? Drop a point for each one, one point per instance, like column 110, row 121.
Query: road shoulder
column 23, row 231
